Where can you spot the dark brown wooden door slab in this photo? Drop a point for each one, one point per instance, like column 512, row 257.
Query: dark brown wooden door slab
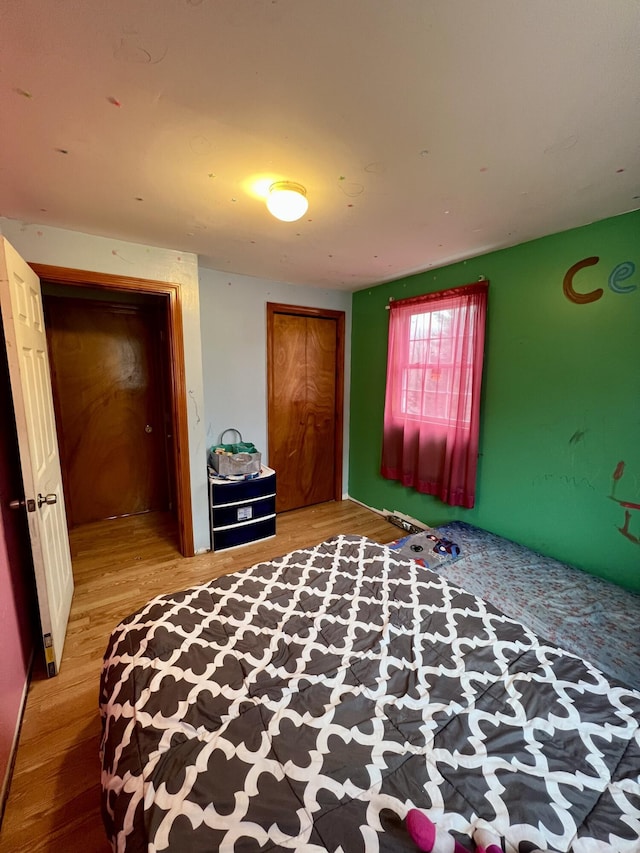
column 305, row 405
column 107, row 382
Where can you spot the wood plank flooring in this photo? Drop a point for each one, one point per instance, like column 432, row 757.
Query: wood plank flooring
column 54, row 798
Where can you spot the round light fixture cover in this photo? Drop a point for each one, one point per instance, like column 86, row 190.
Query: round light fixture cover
column 287, row 201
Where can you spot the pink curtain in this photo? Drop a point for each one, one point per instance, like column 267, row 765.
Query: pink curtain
column 432, row 401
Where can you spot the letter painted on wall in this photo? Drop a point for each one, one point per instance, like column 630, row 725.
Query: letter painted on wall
column 568, row 288
column 619, row 273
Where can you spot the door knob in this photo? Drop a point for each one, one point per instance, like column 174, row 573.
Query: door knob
column 148, row 428
column 16, row 504
column 47, row 499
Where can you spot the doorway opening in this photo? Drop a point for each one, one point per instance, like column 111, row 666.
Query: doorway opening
column 108, row 375
column 161, row 299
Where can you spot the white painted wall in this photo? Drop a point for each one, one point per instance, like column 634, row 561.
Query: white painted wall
column 233, row 318
column 59, row 247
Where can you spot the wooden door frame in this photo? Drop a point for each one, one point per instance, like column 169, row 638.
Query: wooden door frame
column 274, row 308
column 177, row 384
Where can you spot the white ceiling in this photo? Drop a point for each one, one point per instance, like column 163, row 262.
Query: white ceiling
column 424, row 130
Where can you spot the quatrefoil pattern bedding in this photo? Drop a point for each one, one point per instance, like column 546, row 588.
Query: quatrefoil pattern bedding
column 308, row 703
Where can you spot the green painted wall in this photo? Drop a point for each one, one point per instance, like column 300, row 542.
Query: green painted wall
column 561, row 401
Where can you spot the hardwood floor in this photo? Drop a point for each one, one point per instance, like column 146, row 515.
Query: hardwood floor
column 54, row 798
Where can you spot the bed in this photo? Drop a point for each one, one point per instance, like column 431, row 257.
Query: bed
column 308, row 703
column 587, row 615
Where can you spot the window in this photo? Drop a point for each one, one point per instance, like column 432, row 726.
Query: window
column 434, row 373
column 429, row 390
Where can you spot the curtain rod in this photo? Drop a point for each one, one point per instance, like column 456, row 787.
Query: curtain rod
column 391, row 299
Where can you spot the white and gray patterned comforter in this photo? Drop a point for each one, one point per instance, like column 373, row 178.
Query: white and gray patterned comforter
column 310, row 702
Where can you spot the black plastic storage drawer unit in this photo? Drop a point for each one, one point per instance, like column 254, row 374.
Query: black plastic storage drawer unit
column 242, row 511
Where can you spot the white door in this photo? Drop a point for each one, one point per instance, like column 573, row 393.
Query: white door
column 26, row 343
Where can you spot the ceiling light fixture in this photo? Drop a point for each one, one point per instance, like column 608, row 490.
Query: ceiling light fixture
column 287, row 201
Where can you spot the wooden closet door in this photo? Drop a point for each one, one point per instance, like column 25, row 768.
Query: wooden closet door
column 107, row 384
column 304, row 396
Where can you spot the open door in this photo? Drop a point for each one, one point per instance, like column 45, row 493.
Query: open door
column 26, row 343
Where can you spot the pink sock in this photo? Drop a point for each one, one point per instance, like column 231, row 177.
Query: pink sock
column 486, row 842
column 428, row 837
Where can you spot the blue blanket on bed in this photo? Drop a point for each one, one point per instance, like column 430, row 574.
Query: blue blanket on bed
column 594, row 619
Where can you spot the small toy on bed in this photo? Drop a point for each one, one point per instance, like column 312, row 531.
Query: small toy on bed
column 445, row 546
column 426, row 548
column 430, row 839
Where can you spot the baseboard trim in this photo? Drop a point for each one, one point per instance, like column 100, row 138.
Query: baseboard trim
column 6, row 782
column 366, row 506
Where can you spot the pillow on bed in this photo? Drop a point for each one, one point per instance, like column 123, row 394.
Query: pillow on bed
column 427, row 548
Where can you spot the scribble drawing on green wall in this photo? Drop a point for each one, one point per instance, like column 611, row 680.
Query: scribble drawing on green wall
column 628, row 506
